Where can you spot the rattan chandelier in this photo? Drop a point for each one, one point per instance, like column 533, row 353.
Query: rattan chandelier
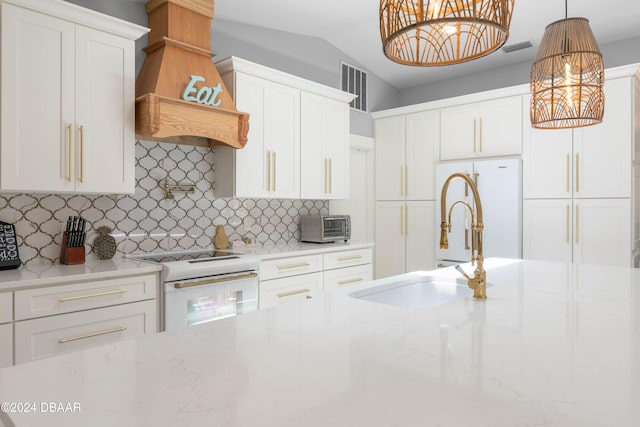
column 442, row 32
column 567, row 77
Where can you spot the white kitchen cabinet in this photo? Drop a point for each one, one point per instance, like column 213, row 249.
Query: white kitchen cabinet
column 591, row 231
column 67, row 100
column 56, row 319
column 47, row 336
column 482, row 129
column 405, row 236
column 324, row 148
column 339, row 278
column 6, row 345
column 406, row 152
column 289, row 289
column 268, row 166
column 588, row 162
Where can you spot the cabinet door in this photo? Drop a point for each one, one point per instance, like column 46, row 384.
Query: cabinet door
column 390, row 239
column 458, row 132
column 603, row 153
column 284, row 141
column 37, row 102
column 104, row 131
column 251, row 174
column 324, row 148
column 547, row 161
column 499, row 125
column 420, row 236
column 341, row 277
column 422, row 146
column 390, row 154
column 547, row 230
column 6, row 345
column 602, row 232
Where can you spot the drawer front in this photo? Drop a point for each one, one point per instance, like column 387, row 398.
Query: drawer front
column 6, row 307
column 84, row 295
column 347, row 258
column 285, row 267
column 334, row 279
column 289, row 289
column 6, row 345
column 39, row 338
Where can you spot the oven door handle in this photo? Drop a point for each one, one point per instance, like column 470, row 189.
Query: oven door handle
column 213, row 281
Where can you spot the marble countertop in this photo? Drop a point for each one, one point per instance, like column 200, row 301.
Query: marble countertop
column 553, row 345
column 38, row 275
column 271, row 251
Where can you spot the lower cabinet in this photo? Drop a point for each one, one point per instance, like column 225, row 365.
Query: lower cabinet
column 6, row 345
column 47, row 336
column 405, row 237
column 585, row 231
column 296, row 278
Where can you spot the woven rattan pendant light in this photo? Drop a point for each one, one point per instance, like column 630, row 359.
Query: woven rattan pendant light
column 567, row 77
column 442, row 32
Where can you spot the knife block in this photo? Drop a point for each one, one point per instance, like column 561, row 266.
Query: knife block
column 71, row 255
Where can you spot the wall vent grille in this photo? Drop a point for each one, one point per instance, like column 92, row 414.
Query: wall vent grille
column 355, row 82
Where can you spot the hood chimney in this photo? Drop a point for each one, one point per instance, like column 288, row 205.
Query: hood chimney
column 180, row 96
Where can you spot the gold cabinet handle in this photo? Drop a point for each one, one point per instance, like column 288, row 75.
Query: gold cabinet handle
column 406, row 180
column 577, row 224
column 326, row 174
column 349, row 258
column 81, row 154
column 330, row 176
column 95, row 334
column 275, row 164
column 402, row 180
column 212, row 281
column 474, row 135
column 69, row 160
column 292, row 293
column 577, row 172
column 476, row 177
column 401, row 219
column 568, row 166
column 480, row 136
column 568, row 227
column 268, row 170
column 406, row 220
column 466, row 239
column 348, row 282
column 290, row 266
column 101, row 294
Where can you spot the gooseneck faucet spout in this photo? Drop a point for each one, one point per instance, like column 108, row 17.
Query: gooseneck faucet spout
column 479, row 280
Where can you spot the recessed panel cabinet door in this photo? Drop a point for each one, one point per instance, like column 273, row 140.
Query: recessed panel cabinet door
column 105, row 157
column 458, row 137
column 420, row 236
column 390, row 239
column 284, row 141
column 548, row 230
column 37, row 125
column 390, row 154
column 422, row 146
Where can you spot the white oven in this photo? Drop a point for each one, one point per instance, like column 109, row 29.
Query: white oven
column 194, row 301
column 205, row 285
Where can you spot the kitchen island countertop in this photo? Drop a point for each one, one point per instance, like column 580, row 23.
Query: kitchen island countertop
column 554, row 344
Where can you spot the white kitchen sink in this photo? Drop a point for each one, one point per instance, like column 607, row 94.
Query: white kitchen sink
column 422, row 292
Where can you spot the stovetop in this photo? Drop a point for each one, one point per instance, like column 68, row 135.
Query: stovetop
column 192, row 264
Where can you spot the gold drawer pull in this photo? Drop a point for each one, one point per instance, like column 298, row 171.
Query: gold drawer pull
column 287, row 267
column 95, row 334
column 101, row 294
column 349, row 258
column 292, row 293
column 348, row 282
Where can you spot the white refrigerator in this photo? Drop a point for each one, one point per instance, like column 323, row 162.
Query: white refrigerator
column 499, row 184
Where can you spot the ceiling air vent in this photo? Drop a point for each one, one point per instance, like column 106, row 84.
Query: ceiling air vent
column 354, row 81
column 517, row 46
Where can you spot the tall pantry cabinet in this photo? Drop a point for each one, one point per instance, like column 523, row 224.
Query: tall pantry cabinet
column 578, row 185
column 68, row 85
column 406, row 150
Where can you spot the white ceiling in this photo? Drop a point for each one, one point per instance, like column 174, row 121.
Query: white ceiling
column 352, row 26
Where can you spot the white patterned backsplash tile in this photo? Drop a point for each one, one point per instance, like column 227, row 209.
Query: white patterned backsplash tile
column 145, row 221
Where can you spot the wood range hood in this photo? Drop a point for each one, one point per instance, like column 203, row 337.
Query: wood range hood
column 180, row 97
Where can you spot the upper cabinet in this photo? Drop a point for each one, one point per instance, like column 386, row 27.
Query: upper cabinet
column 482, row 129
column 587, row 162
column 325, row 148
column 68, row 84
column 298, row 145
column 406, row 154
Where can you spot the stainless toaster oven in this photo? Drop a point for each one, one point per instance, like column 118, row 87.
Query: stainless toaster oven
column 325, row 228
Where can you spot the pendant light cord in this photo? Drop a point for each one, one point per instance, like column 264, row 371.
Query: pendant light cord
column 566, row 8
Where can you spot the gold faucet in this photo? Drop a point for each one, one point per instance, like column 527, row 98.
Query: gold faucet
column 479, row 280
